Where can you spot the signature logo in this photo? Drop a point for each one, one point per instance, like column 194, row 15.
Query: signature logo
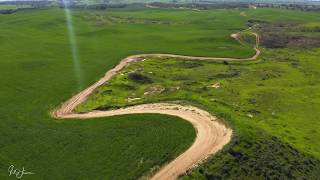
column 17, row 172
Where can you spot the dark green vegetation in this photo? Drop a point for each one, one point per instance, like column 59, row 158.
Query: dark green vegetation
column 258, row 156
column 290, row 35
column 36, row 75
column 272, row 104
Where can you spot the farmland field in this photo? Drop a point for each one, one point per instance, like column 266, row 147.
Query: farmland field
column 6, row 7
column 272, row 104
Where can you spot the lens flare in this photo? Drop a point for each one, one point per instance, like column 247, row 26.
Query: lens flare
column 73, row 44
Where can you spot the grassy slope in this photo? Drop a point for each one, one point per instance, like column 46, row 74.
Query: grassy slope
column 272, row 104
column 110, row 148
column 274, row 92
column 36, row 74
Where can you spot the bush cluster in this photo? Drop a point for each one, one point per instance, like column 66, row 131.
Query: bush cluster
column 262, row 158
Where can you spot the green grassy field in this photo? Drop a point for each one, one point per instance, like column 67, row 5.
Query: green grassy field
column 265, row 102
column 274, row 100
column 2, row 6
column 36, row 74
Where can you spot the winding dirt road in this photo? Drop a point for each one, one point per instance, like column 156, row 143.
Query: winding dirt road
column 211, row 134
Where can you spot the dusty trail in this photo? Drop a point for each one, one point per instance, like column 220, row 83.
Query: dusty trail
column 211, row 134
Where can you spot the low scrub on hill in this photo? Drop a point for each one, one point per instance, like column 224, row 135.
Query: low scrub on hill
column 265, row 102
column 288, row 35
column 261, row 157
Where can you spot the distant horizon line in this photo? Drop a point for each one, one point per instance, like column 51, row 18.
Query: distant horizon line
column 249, row 1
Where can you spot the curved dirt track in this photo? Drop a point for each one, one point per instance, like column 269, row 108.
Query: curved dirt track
column 211, row 135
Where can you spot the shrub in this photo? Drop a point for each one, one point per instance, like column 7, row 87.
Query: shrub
column 139, row 78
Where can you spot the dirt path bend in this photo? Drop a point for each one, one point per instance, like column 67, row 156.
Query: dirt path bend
column 211, row 135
